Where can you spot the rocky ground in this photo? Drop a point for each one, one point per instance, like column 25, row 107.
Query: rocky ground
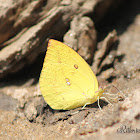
column 23, row 112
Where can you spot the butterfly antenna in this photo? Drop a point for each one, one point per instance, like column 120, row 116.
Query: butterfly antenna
column 116, row 88
column 113, row 86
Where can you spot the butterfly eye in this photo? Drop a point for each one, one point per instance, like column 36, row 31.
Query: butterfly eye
column 76, row 66
column 67, row 81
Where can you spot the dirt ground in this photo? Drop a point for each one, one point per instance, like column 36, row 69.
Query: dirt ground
column 33, row 119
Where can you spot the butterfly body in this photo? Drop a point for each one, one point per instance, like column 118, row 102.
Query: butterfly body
column 66, row 80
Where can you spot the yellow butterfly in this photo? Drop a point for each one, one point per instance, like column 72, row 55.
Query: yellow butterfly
column 66, row 80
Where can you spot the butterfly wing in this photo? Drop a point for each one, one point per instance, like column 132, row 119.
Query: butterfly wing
column 66, row 80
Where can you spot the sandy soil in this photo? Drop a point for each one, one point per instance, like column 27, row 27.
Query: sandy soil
column 32, row 119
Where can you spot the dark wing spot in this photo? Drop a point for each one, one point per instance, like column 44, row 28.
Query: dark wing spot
column 76, row 66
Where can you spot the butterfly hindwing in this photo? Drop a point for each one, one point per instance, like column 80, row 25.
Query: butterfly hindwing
column 66, row 80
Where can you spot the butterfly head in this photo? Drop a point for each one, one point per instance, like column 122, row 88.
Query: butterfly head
column 100, row 92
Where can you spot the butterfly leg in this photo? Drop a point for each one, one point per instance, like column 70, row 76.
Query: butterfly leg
column 112, row 96
column 75, row 112
column 119, row 94
column 99, row 104
column 85, row 105
column 105, row 100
